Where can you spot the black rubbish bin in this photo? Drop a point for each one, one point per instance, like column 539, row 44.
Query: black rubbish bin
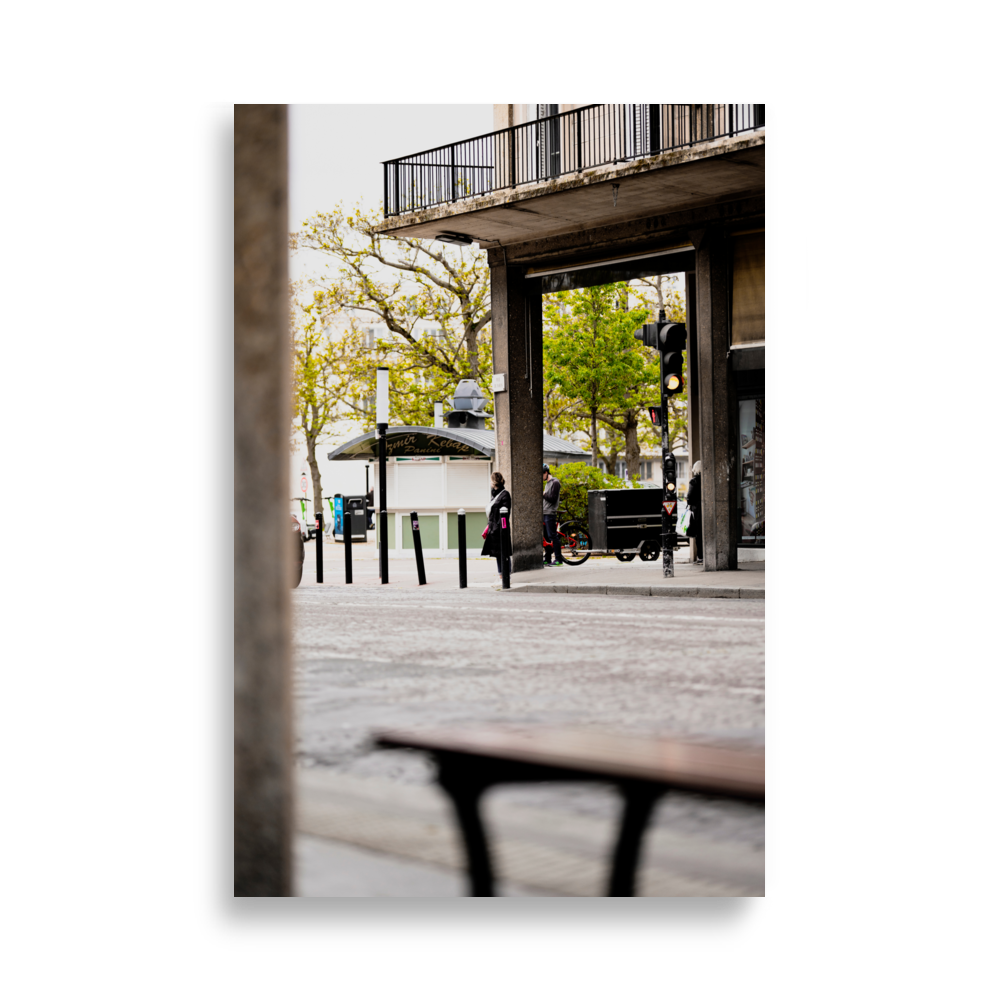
column 354, row 510
column 355, row 515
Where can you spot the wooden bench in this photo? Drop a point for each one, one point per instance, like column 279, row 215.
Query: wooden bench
column 471, row 760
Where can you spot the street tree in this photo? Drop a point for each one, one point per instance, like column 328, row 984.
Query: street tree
column 594, row 360
column 321, row 384
column 432, row 299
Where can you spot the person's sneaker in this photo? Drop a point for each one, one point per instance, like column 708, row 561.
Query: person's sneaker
column 558, row 564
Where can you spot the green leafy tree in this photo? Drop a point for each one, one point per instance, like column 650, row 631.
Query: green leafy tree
column 593, row 360
column 434, row 301
column 320, row 384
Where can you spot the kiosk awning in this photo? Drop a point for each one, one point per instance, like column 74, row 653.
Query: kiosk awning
column 409, row 442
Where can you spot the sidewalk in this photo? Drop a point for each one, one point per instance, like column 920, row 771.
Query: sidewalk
column 373, row 837
column 598, row 575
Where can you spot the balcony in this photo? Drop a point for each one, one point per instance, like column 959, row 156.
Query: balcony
column 593, row 145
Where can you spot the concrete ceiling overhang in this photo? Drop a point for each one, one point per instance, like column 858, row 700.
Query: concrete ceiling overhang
column 605, row 272
column 722, row 170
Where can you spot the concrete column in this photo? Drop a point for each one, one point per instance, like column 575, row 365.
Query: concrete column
column 262, row 710
column 716, row 403
column 517, row 354
column 503, row 116
column 694, row 438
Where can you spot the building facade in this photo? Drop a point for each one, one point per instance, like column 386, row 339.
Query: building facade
column 588, row 194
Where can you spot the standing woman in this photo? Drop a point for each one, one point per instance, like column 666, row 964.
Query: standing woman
column 501, row 498
column 694, row 505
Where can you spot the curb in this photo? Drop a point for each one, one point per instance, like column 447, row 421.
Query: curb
column 632, row 590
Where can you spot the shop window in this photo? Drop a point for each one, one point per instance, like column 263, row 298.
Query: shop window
column 748, row 289
column 751, row 423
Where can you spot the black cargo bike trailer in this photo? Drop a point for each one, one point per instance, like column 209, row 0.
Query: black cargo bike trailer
column 627, row 523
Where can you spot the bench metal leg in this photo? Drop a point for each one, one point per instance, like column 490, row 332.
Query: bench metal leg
column 465, row 793
column 639, row 802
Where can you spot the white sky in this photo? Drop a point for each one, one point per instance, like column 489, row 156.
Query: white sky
column 336, row 152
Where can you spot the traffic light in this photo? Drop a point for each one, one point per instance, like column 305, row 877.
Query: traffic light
column 673, row 338
column 668, row 536
column 669, row 472
column 669, row 339
column 656, row 416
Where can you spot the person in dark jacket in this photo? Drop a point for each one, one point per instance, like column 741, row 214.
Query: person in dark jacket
column 550, row 509
column 694, row 505
column 500, row 498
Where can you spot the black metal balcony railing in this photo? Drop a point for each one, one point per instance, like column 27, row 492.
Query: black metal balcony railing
column 560, row 144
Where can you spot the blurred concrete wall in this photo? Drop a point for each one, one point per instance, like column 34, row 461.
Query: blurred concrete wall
column 263, row 717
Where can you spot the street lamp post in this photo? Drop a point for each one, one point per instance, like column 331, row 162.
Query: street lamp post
column 382, row 423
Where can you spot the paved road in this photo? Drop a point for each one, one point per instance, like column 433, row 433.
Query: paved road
column 369, row 657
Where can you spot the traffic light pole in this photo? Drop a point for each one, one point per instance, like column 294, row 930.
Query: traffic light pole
column 668, row 532
column 669, row 339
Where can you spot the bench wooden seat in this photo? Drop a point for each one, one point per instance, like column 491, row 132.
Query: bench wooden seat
column 470, row 760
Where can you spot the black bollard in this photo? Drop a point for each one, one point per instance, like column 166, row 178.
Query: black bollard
column 505, row 548
column 463, row 578
column 417, row 548
column 383, row 550
column 348, row 531
column 319, row 546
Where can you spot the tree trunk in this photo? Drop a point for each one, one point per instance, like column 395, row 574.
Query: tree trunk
column 472, row 346
column 311, row 433
column 593, row 438
column 611, row 461
column 632, row 443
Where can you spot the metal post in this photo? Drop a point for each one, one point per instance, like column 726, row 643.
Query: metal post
column 383, row 552
column 319, row 545
column 383, row 520
column 668, row 552
column 348, row 523
column 418, row 548
column 504, row 548
column 668, row 535
column 463, row 579
column 579, row 145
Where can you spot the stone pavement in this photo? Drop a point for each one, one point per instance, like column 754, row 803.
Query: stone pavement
column 374, row 825
column 329, row 868
column 598, row 575
column 367, row 656
column 370, row 837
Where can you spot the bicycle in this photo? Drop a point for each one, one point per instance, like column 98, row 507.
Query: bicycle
column 574, row 542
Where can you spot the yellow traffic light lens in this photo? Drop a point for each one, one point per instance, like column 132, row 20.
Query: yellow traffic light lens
column 673, row 382
column 671, row 487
